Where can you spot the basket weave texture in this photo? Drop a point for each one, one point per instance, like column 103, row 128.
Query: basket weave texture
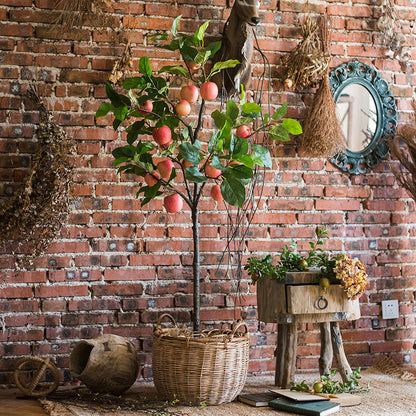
column 206, row 367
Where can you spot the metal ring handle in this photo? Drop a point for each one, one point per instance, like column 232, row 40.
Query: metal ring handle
column 322, row 303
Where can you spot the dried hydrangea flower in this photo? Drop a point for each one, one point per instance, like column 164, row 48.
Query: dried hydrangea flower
column 352, row 274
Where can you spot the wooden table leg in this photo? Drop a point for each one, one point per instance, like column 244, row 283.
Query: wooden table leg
column 340, row 358
column 289, row 364
column 280, row 353
column 325, row 359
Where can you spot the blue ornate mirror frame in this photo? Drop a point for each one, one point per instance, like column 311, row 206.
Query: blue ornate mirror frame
column 365, row 159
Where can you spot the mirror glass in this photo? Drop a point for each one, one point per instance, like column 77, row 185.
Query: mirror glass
column 357, row 114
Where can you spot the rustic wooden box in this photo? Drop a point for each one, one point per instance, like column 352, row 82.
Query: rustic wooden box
column 295, row 300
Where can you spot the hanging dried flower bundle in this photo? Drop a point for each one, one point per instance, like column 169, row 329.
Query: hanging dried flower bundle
column 36, row 212
column 393, row 38
column 352, row 274
column 75, row 12
column 322, row 135
column 403, row 146
column 308, row 62
column 122, row 65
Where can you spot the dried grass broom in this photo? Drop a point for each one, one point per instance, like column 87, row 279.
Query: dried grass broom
column 31, row 218
column 322, row 135
column 75, row 12
column 403, row 146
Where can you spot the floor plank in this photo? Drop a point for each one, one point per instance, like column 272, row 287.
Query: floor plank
column 10, row 405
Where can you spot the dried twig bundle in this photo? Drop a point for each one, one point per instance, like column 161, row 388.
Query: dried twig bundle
column 306, row 64
column 122, row 65
column 403, row 146
column 36, row 212
column 75, row 12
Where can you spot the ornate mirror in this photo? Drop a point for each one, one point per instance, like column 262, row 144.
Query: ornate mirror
column 367, row 114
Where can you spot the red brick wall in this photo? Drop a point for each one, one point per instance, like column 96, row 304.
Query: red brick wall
column 114, row 268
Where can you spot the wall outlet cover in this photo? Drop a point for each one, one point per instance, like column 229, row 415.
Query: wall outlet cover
column 390, row 309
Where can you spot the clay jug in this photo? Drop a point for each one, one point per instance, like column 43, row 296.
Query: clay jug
column 107, row 364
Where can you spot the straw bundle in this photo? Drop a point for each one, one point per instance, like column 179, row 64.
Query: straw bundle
column 306, row 64
column 322, row 135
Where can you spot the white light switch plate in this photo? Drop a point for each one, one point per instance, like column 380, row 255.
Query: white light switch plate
column 390, row 309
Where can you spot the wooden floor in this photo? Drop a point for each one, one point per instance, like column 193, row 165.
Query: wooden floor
column 12, row 405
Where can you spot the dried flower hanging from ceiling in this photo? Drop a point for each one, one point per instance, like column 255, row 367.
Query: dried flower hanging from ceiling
column 31, row 218
column 392, row 36
column 307, row 63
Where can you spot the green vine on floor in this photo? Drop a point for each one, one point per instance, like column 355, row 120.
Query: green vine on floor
column 327, row 384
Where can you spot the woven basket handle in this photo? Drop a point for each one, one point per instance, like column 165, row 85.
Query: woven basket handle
column 239, row 325
column 158, row 326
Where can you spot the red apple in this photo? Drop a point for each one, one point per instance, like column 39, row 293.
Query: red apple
column 173, row 203
column 165, row 168
column 189, row 93
column 150, row 178
column 162, row 135
column 209, row 91
column 183, row 108
column 216, row 193
column 147, row 106
column 243, row 131
column 211, row 172
column 193, row 66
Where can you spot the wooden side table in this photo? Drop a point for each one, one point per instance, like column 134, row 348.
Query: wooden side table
column 297, row 300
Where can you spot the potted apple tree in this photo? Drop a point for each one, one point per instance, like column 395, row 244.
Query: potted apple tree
column 163, row 148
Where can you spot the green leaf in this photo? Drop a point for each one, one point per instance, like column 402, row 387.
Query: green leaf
column 176, row 70
column 213, row 141
column 292, row 126
column 233, row 191
column 219, row 118
column 134, row 83
column 121, row 112
column 124, row 151
column 120, row 160
column 175, row 25
column 219, row 66
column 277, row 132
column 189, row 152
column 188, row 52
column 150, row 192
column 243, row 121
column 144, row 66
column 134, row 130
column 116, row 124
column 113, row 96
column 241, row 172
column 213, row 47
column 251, row 108
column 240, row 147
column 280, row 112
column 103, row 109
column 200, row 33
column 193, row 174
column 250, row 160
column 243, row 96
column 216, row 163
column 263, row 154
column 232, row 110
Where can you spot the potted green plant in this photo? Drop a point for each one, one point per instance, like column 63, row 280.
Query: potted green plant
column 164, row 149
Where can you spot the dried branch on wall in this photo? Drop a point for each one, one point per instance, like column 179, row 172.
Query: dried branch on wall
column 31, row 218
column 403, row 146
column 322, row 135
column 75, row 12
column 122, row 65
column 392, row 36
column 308, row 62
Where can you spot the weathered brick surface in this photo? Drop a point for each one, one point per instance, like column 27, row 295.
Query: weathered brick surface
column 116, row 267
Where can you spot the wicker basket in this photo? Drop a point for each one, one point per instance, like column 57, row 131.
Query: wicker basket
column 208, row 367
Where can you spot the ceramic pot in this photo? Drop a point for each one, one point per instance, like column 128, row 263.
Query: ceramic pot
column 107, row 364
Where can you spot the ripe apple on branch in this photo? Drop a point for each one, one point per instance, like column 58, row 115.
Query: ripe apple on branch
column 228, row 159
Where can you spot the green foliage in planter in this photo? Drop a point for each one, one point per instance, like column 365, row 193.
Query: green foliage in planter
column 290, row 260
column 327, row 384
